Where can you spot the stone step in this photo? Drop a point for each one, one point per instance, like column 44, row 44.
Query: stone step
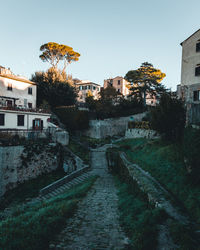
column 66, row 186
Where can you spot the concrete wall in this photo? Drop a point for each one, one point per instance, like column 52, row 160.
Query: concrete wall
column 109, row 127
column 18, row 164
column 62, row 137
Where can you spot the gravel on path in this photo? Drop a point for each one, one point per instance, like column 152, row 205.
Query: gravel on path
column 95, row 224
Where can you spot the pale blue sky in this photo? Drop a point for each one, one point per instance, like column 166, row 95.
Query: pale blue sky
column 112, row 36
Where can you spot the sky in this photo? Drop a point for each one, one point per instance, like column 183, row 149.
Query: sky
column 112, row 36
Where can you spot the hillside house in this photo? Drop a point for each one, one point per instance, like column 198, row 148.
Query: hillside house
column 18, row 104
column 119, row 83
column 85, row 88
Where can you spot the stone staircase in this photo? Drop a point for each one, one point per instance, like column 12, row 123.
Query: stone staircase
column 54, row 189
column 64, row 183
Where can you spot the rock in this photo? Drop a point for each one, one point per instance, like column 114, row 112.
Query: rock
column 51, row 246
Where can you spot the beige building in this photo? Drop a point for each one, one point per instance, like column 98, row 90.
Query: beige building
column 189, row 89
column 119, row 83
column 85, row 88
column 18, row 104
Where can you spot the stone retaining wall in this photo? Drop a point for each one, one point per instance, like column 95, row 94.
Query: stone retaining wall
column 141, row 133
column 103, row 128
column 18, row 164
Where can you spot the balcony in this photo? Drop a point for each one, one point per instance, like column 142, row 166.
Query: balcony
column 15, row 108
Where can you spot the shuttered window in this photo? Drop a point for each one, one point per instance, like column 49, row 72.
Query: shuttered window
column 20, row 120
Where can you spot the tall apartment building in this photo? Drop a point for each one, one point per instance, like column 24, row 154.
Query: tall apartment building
column 119, row 83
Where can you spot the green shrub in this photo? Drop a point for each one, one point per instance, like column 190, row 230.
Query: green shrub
column 139, row 124
column 191, row 149
column 168, row 117
column 73, row 118
column 34, row 227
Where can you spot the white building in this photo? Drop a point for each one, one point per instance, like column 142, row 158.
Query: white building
column 18, row 104
column 86, row 88
column 119, row 83
column 189, row 89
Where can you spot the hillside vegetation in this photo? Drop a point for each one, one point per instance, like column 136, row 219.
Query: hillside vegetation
column 165, row 162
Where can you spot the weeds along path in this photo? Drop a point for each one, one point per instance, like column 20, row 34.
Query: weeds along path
column 95, row 225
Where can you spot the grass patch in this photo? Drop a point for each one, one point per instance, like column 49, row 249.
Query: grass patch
column 34, row 227
column 164, row 161
column 79, row 150
column 30, row 188
column 138, row 217
column 93, row 142
column 183, row 236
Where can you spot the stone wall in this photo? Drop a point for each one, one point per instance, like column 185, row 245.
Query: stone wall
column 103, row 128
column 62, row 137
column 21, row 163
column 141, row 133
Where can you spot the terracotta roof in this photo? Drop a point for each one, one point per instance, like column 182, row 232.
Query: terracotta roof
column 190, row 36
column 17, row 78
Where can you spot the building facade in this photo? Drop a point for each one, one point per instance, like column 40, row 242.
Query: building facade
column 86, row 88
column 119, row 83
column 18, row 104
column 189, row 89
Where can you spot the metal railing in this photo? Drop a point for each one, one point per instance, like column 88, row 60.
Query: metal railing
column 37, row 110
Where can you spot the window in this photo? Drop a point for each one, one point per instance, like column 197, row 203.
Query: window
column 9, row 103
column 20, row 120
column 2, row 119
column 94, row 87
column 197, row 70
column 196, row 95
column 198, row 46
column 118, row 90
column 9, row 87
column 30, row 105
column 38, row 124
column 119, row 82
column 30, row 91
column 89, row 87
